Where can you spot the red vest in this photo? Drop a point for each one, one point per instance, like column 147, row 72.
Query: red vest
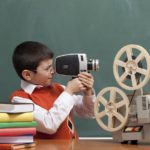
column 45, row 97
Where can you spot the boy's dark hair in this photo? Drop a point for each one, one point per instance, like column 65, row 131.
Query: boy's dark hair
column 28, row 55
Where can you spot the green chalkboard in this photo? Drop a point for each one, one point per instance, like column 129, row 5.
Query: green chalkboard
column 98, row 28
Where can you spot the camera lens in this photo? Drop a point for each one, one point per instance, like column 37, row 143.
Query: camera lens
column 93, row 64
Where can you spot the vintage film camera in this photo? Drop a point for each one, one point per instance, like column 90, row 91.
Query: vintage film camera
column 73, row 64
column 127, row 117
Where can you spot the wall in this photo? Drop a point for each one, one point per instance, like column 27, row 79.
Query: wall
column 96, row 27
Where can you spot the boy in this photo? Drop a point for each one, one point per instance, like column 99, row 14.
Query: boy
column 54, row 103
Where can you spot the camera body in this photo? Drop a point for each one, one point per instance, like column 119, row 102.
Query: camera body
column 73, row 64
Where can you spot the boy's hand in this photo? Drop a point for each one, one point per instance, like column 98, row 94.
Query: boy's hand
column 87, row 80
column 74, row 86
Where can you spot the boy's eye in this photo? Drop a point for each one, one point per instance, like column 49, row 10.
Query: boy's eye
column 49, row 68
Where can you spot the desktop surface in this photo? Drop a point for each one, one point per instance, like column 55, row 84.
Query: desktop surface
column 86, row 145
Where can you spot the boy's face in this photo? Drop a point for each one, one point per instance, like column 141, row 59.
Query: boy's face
column 44, row 73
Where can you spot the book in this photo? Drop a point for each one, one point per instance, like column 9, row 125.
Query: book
column 16, row 108
column 18, row 124
column 6, row 117
column 16, row 139
column 17, row 131
column 16, row 146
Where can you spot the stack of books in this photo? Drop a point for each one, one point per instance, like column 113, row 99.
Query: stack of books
column 17, row 128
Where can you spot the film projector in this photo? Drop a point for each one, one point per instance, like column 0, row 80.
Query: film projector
column 127, row 117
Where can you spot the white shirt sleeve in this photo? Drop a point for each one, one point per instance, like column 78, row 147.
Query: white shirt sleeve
column 84, row 106
column 48, row 121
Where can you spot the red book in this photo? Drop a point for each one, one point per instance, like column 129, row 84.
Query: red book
column 6, row 146
column 17, row 131
column 16, row 146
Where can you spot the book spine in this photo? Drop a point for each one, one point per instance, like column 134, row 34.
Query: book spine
column 19, row 117
column 17, row 131
column 17, row 124
column 22, row 146
column 16, row 146
column 16, row 139
column 16, row 108
column 5, row 146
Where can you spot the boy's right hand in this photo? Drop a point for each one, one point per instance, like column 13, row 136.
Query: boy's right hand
column 74, row 86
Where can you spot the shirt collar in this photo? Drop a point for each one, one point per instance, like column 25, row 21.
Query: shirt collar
column 28, row 87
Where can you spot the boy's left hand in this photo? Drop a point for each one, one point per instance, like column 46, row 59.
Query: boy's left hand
column 88, row 81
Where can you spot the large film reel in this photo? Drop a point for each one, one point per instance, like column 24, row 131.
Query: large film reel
column 115, row 109
column 133, row 55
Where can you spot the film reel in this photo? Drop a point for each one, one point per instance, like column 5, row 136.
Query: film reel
column 115, row 109
column 135, row 54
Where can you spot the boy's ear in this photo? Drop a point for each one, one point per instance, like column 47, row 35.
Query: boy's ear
column 27, row 75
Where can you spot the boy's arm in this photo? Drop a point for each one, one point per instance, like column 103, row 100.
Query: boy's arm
column 49, row 120
column 84, row 105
